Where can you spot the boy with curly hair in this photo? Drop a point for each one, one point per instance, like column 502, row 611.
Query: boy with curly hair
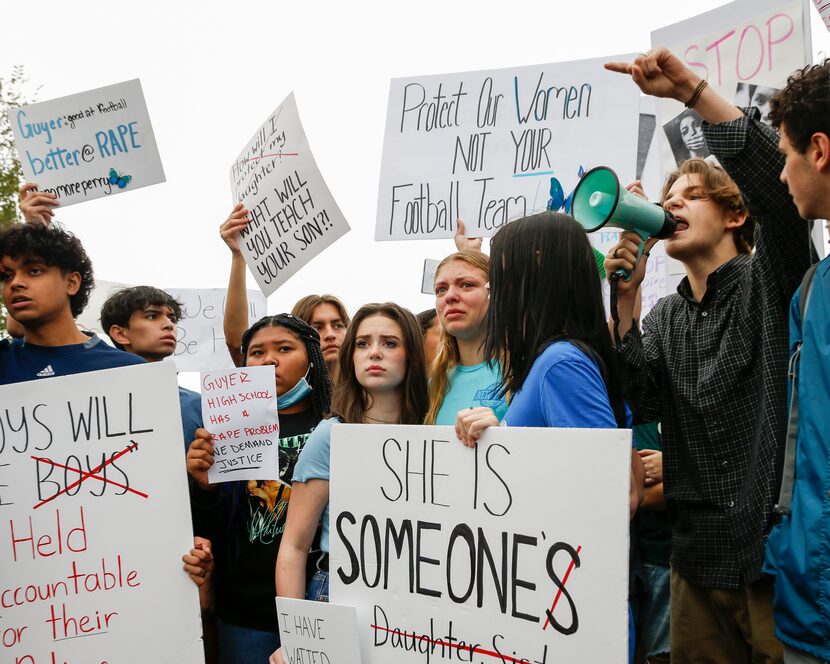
column 798, row 548
column 46, row 278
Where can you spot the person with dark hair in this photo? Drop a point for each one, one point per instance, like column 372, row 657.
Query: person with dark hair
column 245, row 520
column 462, row 375
column 328, row 315
column 546, row 324
column 431, row 329
column 711, row 365
column 798, row 547
column 383, row 381
column 142, row 321
column 46, row 279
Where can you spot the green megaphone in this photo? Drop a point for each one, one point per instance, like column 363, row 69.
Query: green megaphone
column 599, row 200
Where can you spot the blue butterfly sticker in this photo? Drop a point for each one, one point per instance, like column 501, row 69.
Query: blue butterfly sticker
column 121, row 180
column 557, row 199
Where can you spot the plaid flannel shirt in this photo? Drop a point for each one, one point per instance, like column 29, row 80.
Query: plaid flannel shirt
column 715, row 373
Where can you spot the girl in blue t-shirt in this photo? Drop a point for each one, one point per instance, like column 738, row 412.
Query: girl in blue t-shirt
column 461, row 376
column 383, row 381
column 547, row 325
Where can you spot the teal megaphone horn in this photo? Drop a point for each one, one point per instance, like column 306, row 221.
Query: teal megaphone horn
column 599, row 200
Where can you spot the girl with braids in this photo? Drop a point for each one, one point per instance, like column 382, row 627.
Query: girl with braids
column 462, row 375
column 383, row 381
column 245, row 520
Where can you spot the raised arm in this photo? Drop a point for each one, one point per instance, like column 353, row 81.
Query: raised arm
column 660, row 73
column 236, row 304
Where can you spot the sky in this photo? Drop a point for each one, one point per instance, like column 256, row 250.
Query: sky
column 213, row 71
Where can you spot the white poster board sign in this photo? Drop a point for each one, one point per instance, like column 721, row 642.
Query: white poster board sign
column 317, row 632
column 95, row 518
column 88, row 145
column 492, row 146
column 200, row 337
column 428, row 278
column 443, row 548
column 739, row 48
column 293, row 214
column 239, row 407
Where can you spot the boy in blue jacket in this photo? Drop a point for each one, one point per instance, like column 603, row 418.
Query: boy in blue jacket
column 798, row 548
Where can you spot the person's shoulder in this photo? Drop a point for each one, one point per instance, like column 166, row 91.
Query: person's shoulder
column 189, row 395
column 113, row 356
column 563, row 351
column 324, row 428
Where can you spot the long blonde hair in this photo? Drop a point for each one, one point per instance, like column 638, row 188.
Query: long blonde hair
column 448, row 355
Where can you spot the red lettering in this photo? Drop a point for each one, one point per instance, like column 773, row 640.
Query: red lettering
column 716, row 46
column 770, row 42
column 740, row 50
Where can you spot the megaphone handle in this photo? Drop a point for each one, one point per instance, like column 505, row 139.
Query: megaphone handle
column 623, row 274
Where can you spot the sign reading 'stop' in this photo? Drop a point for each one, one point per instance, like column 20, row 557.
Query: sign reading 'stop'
column 88, row 145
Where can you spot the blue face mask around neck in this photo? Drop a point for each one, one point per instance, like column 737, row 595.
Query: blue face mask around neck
column 296, row 394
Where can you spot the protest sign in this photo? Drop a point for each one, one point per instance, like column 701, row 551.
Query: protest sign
column 747, row 42
column 95, row 519
column 293, row 214
column 200, row 337
column 494, row 554
column 492, row 146
column 88, row 145
column 239, row 407
column 428, row 278
column 317, row 632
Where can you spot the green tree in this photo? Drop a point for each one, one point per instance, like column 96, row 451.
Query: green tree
column 12, row 95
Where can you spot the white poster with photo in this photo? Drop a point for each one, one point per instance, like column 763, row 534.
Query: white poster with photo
column 293, row 214
column 493, row 146
column 497, row 553
column 756, row 43
column 317, row 632
column 95, row 519
column 200, row 335
column 239, row 407
column 88, row 145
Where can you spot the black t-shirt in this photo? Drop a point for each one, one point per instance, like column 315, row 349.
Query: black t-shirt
column 246, row 520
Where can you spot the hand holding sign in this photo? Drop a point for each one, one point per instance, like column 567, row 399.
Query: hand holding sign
column 35, row 205
column 88, row 145
column 293, row 215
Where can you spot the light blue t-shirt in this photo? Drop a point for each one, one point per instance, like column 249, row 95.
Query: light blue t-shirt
column 477, row 385
column 564, row 388
column 314, row 464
